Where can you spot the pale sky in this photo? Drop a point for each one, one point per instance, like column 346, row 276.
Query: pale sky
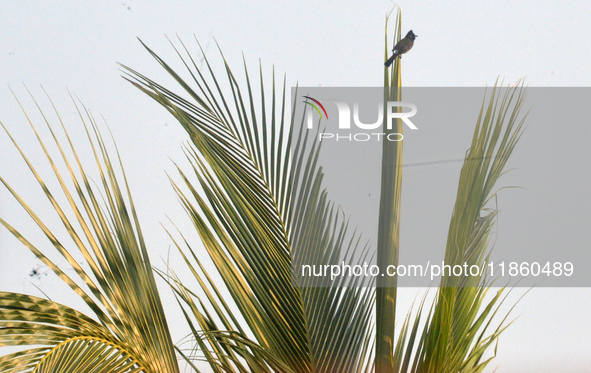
column 75, row 46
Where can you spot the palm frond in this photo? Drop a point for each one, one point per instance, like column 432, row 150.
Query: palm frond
column 250, row 214
column 131, row 333
column 389, row 217
column 456, row 335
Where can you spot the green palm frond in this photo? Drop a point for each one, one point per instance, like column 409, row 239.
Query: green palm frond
column 250, row 215
column 131, row 332
column 457, row 333
column 68, row 337
column 455, row 339
column 389, row 217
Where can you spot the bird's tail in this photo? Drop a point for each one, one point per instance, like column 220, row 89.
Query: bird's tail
column 390, row 60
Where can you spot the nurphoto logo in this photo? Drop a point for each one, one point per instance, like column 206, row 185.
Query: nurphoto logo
column 344, row 120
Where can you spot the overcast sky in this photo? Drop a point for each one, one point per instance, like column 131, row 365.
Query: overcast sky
column 75, row 46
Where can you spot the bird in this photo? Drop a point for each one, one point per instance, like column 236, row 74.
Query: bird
column 403, row 46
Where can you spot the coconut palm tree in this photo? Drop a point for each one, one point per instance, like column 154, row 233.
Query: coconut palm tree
column 250, row 211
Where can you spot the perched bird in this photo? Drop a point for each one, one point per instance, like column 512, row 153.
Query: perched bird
column 403, row 46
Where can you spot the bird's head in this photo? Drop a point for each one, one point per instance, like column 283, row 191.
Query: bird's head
column 411, row 35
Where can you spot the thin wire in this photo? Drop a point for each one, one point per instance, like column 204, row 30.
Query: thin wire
column 429, row 163
column 417, row 164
